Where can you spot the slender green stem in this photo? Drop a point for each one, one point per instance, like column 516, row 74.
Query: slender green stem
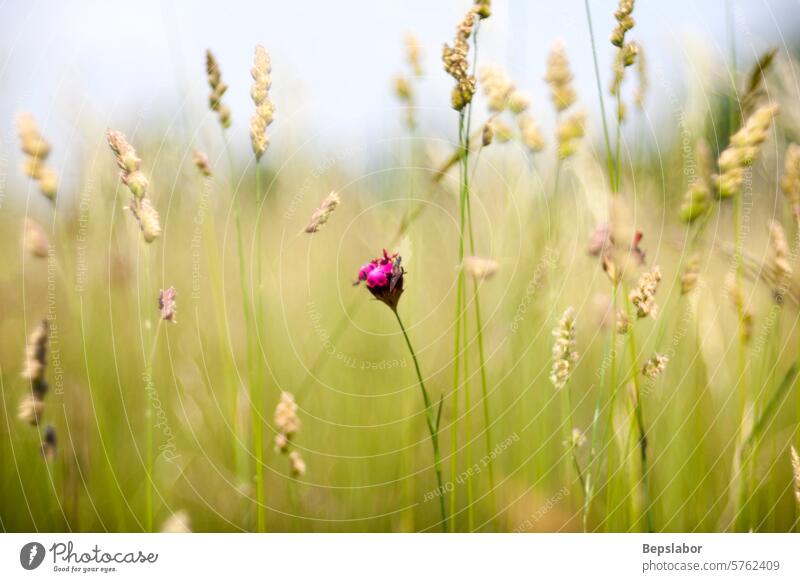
column 149, row 408
column 256, row 389
column 430, row 419
column 246, row 304
column 612, row 401
column 642, row 437
column 460, row 297
column 600, row 96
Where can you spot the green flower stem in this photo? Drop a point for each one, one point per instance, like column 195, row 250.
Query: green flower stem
column 432, row 421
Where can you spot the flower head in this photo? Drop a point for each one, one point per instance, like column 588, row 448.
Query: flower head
column 643, row 296
column 384, row 278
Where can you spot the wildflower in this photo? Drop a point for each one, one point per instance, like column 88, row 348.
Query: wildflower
column 615, row 258
column 297, row 463
column 218, row 89
column 456, row 63
column 569, row 132
column 321, row 215
column 564, row 354
column 259, row 93
column 166, row 304
column 790, row 182
column 643, row 295
column 384, row 278
column 796, row 473
column 36, row 148
column 655, row 366
column 49, row 445
column 34, row 239
column 742, row 151
column 531, row 136
column 479, row 269
column 201, row 162
column 559, row 77
column 178, row 522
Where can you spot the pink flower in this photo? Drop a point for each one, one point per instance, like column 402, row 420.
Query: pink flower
column 384, row 277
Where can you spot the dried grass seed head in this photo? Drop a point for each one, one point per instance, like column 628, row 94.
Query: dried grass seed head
column 201, row 162
column 564, row 354
column 655, row 366
column 480, row 269
column 559, row 77
column 259, row 92
column 456, row 62
column 643, row 295
column 322, row 214
column 790, row 182
column 529, row 133
column 218, row 89
column 34, row 239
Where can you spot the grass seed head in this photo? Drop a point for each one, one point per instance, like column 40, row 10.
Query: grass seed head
column 36, row 149
column 297, row 463
column 655, row 366
column 564, row 354
column 201, row 162
column 559, row 77
column 480, row 269
column 218, row 89
column 322, row 214
column 790, row 182
column 529, row 133
column 643, row 295
column 31, row 409
column 166, row 304
column 259, row 92
column 742, row 151
column 49, row 444
column 796, row 473
column 456, row 62
column 178, row 522
column 34, row 239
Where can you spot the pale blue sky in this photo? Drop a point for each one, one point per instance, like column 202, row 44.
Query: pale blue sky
column 69, row 62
